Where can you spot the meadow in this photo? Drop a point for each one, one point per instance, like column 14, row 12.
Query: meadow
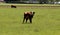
column 46, row 21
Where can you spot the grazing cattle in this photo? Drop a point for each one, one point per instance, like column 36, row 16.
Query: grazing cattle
column 12, row 6
column 28, row 15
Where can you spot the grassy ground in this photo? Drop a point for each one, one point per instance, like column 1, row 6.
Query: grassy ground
column 45, row 22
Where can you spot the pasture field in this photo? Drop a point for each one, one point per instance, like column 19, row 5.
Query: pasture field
column 46, row 21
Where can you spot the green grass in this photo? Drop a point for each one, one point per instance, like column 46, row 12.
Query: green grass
column 30, row 4
column 46, row 21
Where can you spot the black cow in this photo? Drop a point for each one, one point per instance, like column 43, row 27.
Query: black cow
column 28, row 15
column 13, row 6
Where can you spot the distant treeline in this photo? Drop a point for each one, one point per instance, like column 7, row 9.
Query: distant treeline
column 31, row 1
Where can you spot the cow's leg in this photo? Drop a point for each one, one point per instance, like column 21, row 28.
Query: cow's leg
column 30, row 20
column 26, row 20
column 23, row 20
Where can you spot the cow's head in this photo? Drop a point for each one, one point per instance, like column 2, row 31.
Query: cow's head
column 32, row 13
